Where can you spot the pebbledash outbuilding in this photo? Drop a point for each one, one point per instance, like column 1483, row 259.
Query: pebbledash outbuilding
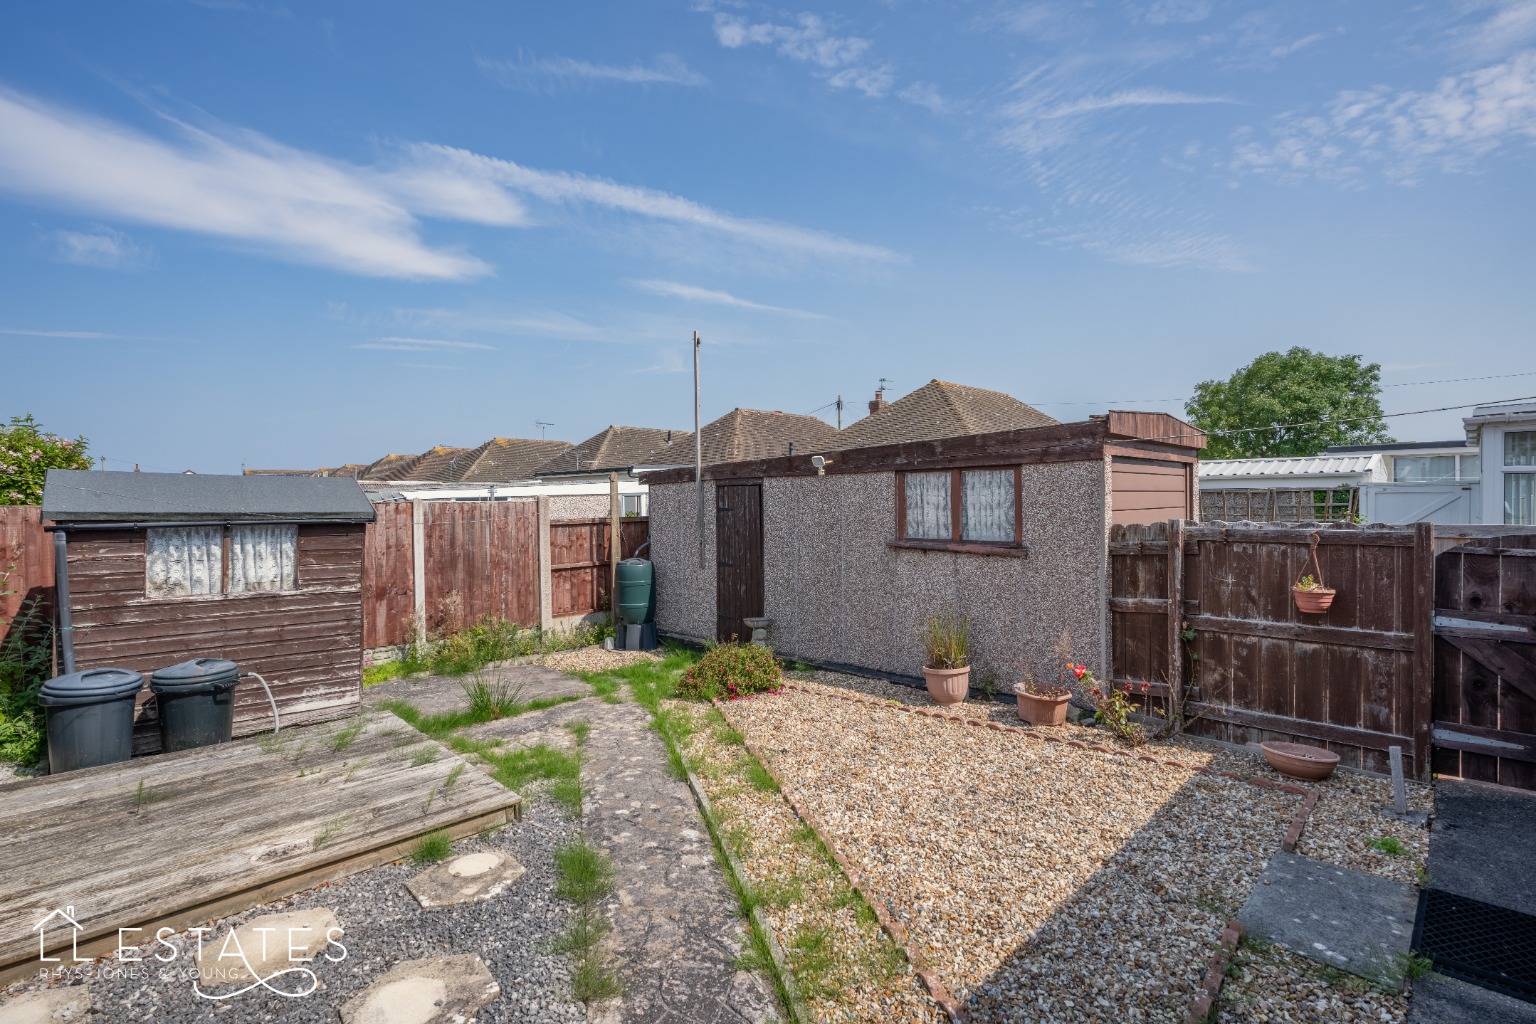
column 267, row 571
column 847, row 552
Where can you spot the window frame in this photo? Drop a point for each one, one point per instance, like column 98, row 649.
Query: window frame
column 224, row 593
column 956, row 540
column 1508, row 469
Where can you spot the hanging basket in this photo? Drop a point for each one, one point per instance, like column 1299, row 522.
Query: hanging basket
column 1312, row 600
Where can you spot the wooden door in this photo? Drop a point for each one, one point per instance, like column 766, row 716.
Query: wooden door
column 1485, row 661
column 738, row 558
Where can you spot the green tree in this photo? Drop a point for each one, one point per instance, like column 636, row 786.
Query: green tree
column 27, row 453
column 1290, row 403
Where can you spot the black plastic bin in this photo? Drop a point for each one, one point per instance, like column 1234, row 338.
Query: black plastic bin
column 90, row 717
column 196, row 702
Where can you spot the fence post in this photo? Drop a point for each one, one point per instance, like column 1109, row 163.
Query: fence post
column 1423, row 648
column 1175, row 591
column 546, row 568
column 419, row 567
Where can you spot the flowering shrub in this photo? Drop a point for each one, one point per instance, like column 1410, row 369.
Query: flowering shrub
column 27, row 453
column 730, row 671
column 1112, row 706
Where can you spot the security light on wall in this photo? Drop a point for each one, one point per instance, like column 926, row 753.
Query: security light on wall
column 819, row 463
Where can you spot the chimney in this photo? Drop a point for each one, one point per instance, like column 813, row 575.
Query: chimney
column 878, row 404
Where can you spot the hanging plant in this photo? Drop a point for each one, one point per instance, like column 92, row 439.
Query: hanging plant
column 1312, row 596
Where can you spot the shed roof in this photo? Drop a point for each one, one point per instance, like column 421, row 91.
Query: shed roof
column 743, row 434
column 1313, row 465
column 942, row 409
column 505, row 459
column 611, row 449
column 91, row 496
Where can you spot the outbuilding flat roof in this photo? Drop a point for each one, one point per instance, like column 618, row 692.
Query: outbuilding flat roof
column 1314, row 465
column 90, row 496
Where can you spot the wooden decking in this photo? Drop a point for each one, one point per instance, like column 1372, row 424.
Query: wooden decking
column 178, row 839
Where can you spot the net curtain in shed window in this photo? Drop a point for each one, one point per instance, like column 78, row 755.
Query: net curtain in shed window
column 928, row 506
column 263, row 558
column 987, row 504
column 184, row 561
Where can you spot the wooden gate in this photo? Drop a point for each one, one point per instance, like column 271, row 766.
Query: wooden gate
column 1485, row 661
column 738, row 558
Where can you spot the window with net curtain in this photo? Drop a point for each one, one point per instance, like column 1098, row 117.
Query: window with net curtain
column 1520, row 485
column 188, row 561
column 986, row 506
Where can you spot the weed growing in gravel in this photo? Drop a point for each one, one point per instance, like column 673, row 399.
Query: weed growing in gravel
column 1405, row 967
column 779, row 895
column 346, row 737
column 811, row 955
column 757, row 776
column 586, row 876
column 431, row 848
column 1388, row 845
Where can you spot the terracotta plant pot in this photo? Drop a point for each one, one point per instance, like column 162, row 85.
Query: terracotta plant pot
column 1300, row 761
column 948, row 685
column 1037, row 710
column 1313, row 602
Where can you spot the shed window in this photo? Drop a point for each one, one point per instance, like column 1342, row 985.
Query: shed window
column 987, row 514
column 205, row 561
column 184, row 561
column 928, row 515
column 263, row 559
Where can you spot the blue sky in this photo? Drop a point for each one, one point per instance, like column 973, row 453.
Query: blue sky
column 306, row 233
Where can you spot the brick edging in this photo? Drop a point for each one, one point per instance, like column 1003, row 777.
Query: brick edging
column 894, row 928
column 1209, row 989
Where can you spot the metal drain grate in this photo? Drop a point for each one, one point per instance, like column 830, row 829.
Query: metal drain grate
column 1478, row 942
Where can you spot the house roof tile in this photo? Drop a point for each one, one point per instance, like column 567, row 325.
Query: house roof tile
column 744, row 434
column 611, row 449
column 941, row 409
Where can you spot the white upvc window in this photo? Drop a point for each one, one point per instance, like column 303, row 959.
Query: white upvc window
column 1520, row 477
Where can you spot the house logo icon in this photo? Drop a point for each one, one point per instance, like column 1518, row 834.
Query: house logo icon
column 42, row 927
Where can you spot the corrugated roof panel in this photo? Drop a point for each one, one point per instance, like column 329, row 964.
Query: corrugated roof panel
column 1317, row 465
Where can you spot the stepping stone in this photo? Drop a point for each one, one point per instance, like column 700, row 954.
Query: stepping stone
column 265, row 945
column 465, row 879
column 52, row 1006
column 437, row 990
column 1347, row 919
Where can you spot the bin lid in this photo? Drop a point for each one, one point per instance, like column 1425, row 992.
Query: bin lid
column 199, row 672
column 636, row 561
column 91, row 685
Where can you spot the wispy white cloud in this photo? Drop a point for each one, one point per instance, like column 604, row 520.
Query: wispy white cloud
column 1131, row 98
column 693, row 293
column 102, row 247
column 563, row 187
column 807, row 39
column 1297, row 45
column 1401, row 132
column 1174, row 12
column 397, row 344
column 668, row 360
column 1511, row 27
column 27, row 332
column 528, row 72
column 429, row 366
column 925, row 95
column 873, row 81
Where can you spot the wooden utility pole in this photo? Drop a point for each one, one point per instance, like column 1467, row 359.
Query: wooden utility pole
column 613, row 551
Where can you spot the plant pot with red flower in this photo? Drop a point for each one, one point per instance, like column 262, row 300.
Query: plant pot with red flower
column 1042, row 704
column 947, row 657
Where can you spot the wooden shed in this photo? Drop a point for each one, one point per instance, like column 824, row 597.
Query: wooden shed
column 156, row 568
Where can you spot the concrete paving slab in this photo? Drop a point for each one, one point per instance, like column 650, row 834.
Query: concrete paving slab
column 1441, row 1000
column 1347, row 919
column 1480, row 844
column 53, row 1006
column 432, row 991
column 465, row 879
column 266, row 945
column 434, row 695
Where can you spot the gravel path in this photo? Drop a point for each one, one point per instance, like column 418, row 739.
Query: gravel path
column 1042, row 882
column 847, row 968
column 384, row 925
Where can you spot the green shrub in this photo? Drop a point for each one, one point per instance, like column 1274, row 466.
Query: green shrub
column 26, row 658
column 730, row 671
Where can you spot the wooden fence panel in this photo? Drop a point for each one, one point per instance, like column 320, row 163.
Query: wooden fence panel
column 26, row 559
column 1356, row 679
column 578, row 552
column 389, row 577
column 482, row 558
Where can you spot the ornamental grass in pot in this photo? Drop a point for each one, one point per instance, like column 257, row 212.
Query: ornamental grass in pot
column 1042, row 703
column 947, row 657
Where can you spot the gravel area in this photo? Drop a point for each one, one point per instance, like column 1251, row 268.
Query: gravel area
column 1040, row 881
column 847, row 969
column 595, row 659
column 384, row 925
column 1269, row 985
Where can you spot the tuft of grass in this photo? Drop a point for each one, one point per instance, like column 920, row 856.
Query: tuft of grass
column 146, row 795
column 1388, row 845
column 757, row 776
column 580, row 730
column 606, row 687
column 346, row 737
column 272, row 742
column 812, row 955
column 586, row 876
column 515, row 769
column 424, row 755
column 492, row 699
column 352, row 770
column 431, row 848
column 446, row 724
column 586, row 873
column 332, row 829
column 452, row 779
